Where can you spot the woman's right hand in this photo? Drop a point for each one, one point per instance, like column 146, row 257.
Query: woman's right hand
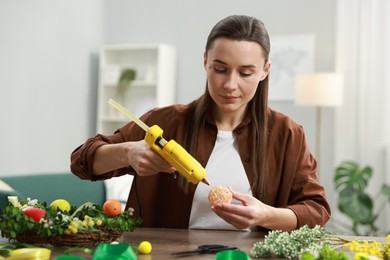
column 145, row 161
column 137, row 154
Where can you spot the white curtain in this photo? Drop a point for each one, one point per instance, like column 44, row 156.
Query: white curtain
column 363, row 56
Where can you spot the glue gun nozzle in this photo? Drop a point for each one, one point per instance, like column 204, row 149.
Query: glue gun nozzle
column 205, row 181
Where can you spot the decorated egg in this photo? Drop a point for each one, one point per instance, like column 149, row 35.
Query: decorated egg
column 35, row 213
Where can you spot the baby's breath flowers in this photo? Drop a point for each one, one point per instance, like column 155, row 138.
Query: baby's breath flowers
column 313, row 243
column 290, row 245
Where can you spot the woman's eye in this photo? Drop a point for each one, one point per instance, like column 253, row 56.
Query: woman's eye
column 246, row 74
column 219, row 70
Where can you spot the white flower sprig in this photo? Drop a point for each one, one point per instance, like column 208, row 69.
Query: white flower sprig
column 290, row 245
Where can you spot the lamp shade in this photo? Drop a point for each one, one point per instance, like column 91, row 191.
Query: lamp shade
column 319, row 89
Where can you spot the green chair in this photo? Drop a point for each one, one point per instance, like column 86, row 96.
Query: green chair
column 49, row 187
column 4, row 196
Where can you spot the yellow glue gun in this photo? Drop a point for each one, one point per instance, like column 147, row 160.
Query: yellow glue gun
column 171, row 151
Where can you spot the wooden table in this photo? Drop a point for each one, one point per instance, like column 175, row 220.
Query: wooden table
column 167, row 241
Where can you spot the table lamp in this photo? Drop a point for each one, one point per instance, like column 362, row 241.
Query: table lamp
column 319, row 90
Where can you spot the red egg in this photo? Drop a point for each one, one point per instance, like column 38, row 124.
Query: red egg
column 35, row 213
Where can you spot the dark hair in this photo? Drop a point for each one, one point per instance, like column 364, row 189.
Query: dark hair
column 241, row 28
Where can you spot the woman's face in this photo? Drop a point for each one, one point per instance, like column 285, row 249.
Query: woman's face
column 234, row 70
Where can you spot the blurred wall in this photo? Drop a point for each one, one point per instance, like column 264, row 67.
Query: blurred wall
column 48, row 78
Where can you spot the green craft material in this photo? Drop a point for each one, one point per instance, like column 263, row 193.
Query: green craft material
column 114, row 251
column 232, row 255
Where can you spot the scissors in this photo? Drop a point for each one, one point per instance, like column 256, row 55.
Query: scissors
column 205, row 249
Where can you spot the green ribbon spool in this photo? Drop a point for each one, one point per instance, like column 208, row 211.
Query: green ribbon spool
column 232, row 255
column 114, row 251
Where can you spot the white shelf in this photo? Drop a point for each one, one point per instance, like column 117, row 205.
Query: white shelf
column 135, row 84
column 154, row 84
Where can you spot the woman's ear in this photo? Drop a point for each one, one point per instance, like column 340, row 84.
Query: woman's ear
column 267, row 68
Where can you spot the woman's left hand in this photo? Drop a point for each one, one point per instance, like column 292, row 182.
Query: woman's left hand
column 253, row 212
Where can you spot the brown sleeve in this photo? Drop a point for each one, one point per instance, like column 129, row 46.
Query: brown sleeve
column 82, row 156
column 82, row 159
column 307, row 196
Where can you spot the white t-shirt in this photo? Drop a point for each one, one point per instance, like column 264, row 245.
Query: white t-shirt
column 225, row 168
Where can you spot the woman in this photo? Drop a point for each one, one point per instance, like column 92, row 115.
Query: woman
column 258, row 152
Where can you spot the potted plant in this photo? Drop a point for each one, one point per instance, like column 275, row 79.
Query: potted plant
column 124, row 82
column 351, row 181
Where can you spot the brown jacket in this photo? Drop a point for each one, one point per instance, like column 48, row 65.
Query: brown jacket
column 293, row 181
